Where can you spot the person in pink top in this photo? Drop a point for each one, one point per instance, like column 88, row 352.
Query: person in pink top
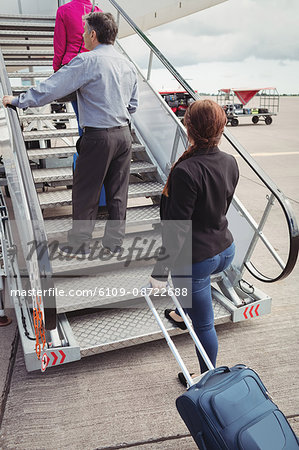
column 68, row 36
column 69, row 29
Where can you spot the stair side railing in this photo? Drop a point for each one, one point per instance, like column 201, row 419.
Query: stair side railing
column 27, row 211
column 293, row 231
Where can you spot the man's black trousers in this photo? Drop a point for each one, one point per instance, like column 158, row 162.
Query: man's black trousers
column 104, row 158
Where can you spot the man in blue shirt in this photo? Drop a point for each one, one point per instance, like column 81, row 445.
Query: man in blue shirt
column 106, row 85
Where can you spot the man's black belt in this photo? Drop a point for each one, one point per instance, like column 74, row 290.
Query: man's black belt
column 92, row 129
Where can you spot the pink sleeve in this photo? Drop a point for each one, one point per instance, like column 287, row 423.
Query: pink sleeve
column 59, row 41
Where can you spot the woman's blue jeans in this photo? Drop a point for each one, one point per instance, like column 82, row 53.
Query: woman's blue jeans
column 201, row 313
column 75, row 108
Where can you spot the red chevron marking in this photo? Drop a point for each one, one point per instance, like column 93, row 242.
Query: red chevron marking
column 256, row 312
column 55, row 358
column 63, row 356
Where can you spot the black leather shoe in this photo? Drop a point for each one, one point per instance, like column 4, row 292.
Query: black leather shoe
column 181, row 325
column 182, row 379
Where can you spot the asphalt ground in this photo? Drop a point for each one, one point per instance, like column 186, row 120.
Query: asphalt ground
column 126, row 398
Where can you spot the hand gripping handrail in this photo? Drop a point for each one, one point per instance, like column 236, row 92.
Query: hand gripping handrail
column 33, row 218
column 284, row 203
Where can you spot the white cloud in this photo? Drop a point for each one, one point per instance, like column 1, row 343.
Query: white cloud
column 245, row 41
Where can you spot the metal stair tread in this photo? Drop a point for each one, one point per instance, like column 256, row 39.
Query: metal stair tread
column 25, row 53
column 27, row 17
column 25, row 33
column 29, row 62
column 49, row 134
column 136, row 215
column 66, row 173
column 42, row 153
column 123, row 283
column 54, row 174
column 55, row 152
column 29, row 74
column 26, row 43
column 26, row 25
column 63, row 197
column 46, row 133
column 97, row 262
column 112, row 329
column 53, row 116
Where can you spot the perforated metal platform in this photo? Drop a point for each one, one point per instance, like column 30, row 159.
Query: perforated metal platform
column 119, row 328
column 63, row 197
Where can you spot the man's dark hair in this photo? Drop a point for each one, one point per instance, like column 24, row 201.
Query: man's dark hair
column 104, row 25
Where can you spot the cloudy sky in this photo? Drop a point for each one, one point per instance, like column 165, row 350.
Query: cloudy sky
column 239, row 43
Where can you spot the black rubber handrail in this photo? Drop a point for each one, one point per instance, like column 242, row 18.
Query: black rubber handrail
column 286, row 207
column 33, row 206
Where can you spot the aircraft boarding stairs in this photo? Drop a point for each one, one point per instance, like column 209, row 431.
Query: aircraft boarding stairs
column 102, row 307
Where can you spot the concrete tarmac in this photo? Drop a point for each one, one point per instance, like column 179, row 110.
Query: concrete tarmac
column 126, row 398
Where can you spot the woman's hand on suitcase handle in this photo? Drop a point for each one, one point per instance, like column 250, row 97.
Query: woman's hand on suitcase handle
column 157, row 284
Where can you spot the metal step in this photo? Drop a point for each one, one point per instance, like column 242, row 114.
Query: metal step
column 139, row 249
column 120, row 328
column 49, row 134
column 63, row 197
column 17, row 90
column 66, row 173
column 27, row 53
column 43, row 153
column 26, row 17
column 26, row 25
column 29, row 62
column 26, row 33
column 48, row 175
column 26, row 43
column 56, row 152
column 104, row 289
column 138, row 215
column 53, row 116
column 29, row 74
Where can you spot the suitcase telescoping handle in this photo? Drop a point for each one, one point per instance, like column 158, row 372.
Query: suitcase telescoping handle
column 168, row 338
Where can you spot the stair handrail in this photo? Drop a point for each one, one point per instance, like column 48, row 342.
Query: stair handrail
column 283, row 201
column 24, row 175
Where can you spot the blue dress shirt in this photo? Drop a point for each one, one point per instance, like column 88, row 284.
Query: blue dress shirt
column 106, row 85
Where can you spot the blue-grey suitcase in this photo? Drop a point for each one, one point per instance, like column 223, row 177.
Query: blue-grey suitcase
column 229, row 408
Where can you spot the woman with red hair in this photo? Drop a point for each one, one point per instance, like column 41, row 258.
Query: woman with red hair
column 195, row 200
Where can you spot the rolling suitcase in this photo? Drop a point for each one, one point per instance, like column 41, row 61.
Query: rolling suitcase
column 229, row 408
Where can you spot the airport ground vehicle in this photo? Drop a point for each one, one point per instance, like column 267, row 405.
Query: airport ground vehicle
column 178, row 101
column 57, row 329
column 265, row 106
